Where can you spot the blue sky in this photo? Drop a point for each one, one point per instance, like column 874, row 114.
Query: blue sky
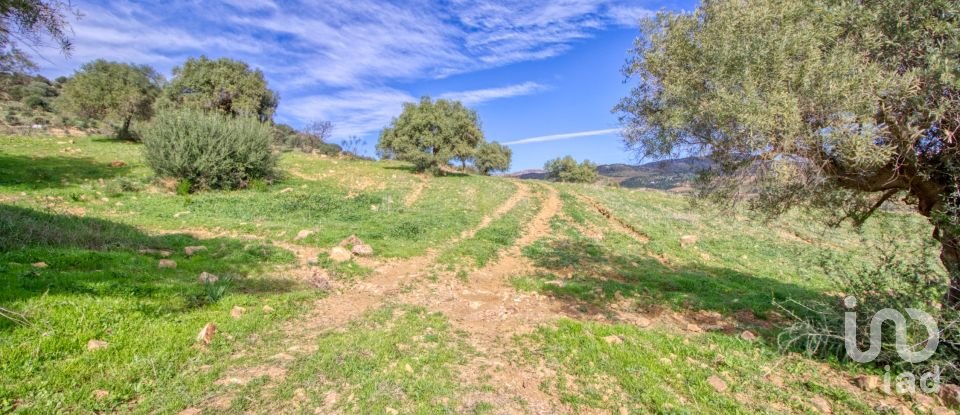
column 542, row 74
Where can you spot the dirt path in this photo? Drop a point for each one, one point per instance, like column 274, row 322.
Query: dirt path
column 417, row 191
column 345, row 303
column 491, row 311
column 523, row 192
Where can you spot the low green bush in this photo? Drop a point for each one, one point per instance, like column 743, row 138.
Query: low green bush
column 210, row 151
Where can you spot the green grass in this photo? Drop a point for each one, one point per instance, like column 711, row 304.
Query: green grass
column 62, row 203
column 653, row 371
column 486, row 244
column 354, row 197
column 398, row 357
column 98, row 286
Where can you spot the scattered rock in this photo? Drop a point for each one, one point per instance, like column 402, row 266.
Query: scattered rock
column 206, row 333
column 693, row 328
column 167, row 263
column 642, row 321
column 287, row 190
column 475, row 305
column 339, row 254
column 748, row 336
column 555, row 283
column 179, row 214
column 97, row 344
column 718, row 384
column 158, row 252
column 237, row 311
column 207, row 278
column 190, row 411
column 362, row 250
column 613, row 339
column 267, row 309
column 950, row 394
column 821, row 405
column 350, row 241
column 39, row 264
column 100, row 394
column 190, row 250
column 118, row 163
column 320, row 281
column 304, row 234
column 391, row 411
column 408, row 368
column 688, row 240
column 867, row 383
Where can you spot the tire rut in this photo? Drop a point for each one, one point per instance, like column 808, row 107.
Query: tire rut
column 348, row 303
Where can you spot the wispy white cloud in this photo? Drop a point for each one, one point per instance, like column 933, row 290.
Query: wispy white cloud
column 336, row 60
column 565, row 136
column 629, row 15
column 354, row 112
column 479, row 96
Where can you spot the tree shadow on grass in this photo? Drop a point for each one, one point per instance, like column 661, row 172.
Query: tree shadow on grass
column 597, row 274
column 96, row 257
column 47, row 172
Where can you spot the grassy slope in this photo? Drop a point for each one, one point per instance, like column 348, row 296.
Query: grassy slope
column 87, row 221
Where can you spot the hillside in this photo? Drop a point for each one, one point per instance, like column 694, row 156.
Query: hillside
column 481, row 295
column 662, row 174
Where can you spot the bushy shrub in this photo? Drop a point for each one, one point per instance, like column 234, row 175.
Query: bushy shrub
column 210, row 151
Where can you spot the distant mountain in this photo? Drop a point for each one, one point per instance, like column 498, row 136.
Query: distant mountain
column 534, row 174
column 674, row 174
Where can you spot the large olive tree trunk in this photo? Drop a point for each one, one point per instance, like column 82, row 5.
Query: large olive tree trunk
column 950, row 257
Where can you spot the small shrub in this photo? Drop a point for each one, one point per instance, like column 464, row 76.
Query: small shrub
column 183, row 187
column 215, row 291
column 36, row 102
column 210, row 151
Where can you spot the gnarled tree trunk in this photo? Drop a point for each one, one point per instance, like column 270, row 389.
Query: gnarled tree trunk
column 950, row 257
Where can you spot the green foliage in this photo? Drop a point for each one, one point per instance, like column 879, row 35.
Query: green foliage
column 224, row 85
column 567, row 169
column 836, row 105
column 492, row 157
column 30, row 24
column 287, row 138
column 211, row 151
column 114, row 92
column 35, row 102
column 432, row 133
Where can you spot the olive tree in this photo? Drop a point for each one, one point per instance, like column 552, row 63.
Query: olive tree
column 224, row 85
column 834, row 104
column 29, row 24
column 492, row 157
column 112, row 92
column 431, row 133
column 567, row 169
